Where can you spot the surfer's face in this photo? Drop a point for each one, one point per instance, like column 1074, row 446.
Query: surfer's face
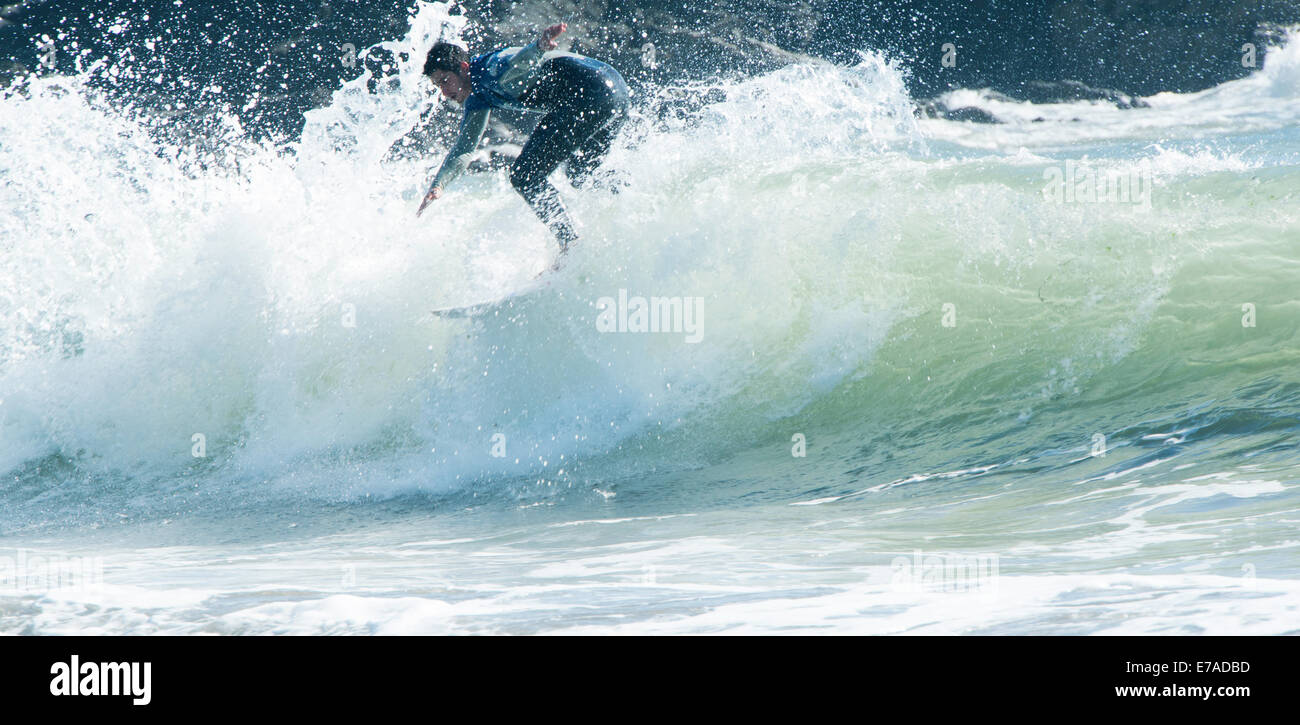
column 453, row 85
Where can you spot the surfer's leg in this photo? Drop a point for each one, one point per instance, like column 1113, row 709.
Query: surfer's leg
column 610, row 107
column 584, row 101
column 591, row 152
column 550, row 143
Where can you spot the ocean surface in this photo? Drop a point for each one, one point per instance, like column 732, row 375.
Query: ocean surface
column 1039, row 376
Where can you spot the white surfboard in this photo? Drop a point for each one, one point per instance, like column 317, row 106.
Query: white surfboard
column 474, row 309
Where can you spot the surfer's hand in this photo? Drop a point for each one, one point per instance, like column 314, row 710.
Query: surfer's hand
column 546, row 41
column 433, row 194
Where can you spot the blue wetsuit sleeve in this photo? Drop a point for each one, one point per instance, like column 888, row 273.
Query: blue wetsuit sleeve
column 522, row 65
column 471, row 132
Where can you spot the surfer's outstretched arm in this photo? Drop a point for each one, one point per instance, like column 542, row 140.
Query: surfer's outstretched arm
column 471, row 132
column 523, row 64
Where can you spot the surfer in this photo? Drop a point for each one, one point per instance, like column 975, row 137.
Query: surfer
column 585, row 102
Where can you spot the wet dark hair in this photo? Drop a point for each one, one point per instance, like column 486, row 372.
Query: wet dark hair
column 445, row 56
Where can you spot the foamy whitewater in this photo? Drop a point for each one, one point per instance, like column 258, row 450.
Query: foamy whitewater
column 933, row 392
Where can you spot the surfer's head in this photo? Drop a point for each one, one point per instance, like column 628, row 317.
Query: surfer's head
column 447, row 65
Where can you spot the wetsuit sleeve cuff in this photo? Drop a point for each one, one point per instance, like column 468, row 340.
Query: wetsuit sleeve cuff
column 528, row 55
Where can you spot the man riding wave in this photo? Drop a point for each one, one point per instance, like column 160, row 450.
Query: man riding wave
column 585, row 103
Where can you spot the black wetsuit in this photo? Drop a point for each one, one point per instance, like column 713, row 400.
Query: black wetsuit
column 585, row 103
